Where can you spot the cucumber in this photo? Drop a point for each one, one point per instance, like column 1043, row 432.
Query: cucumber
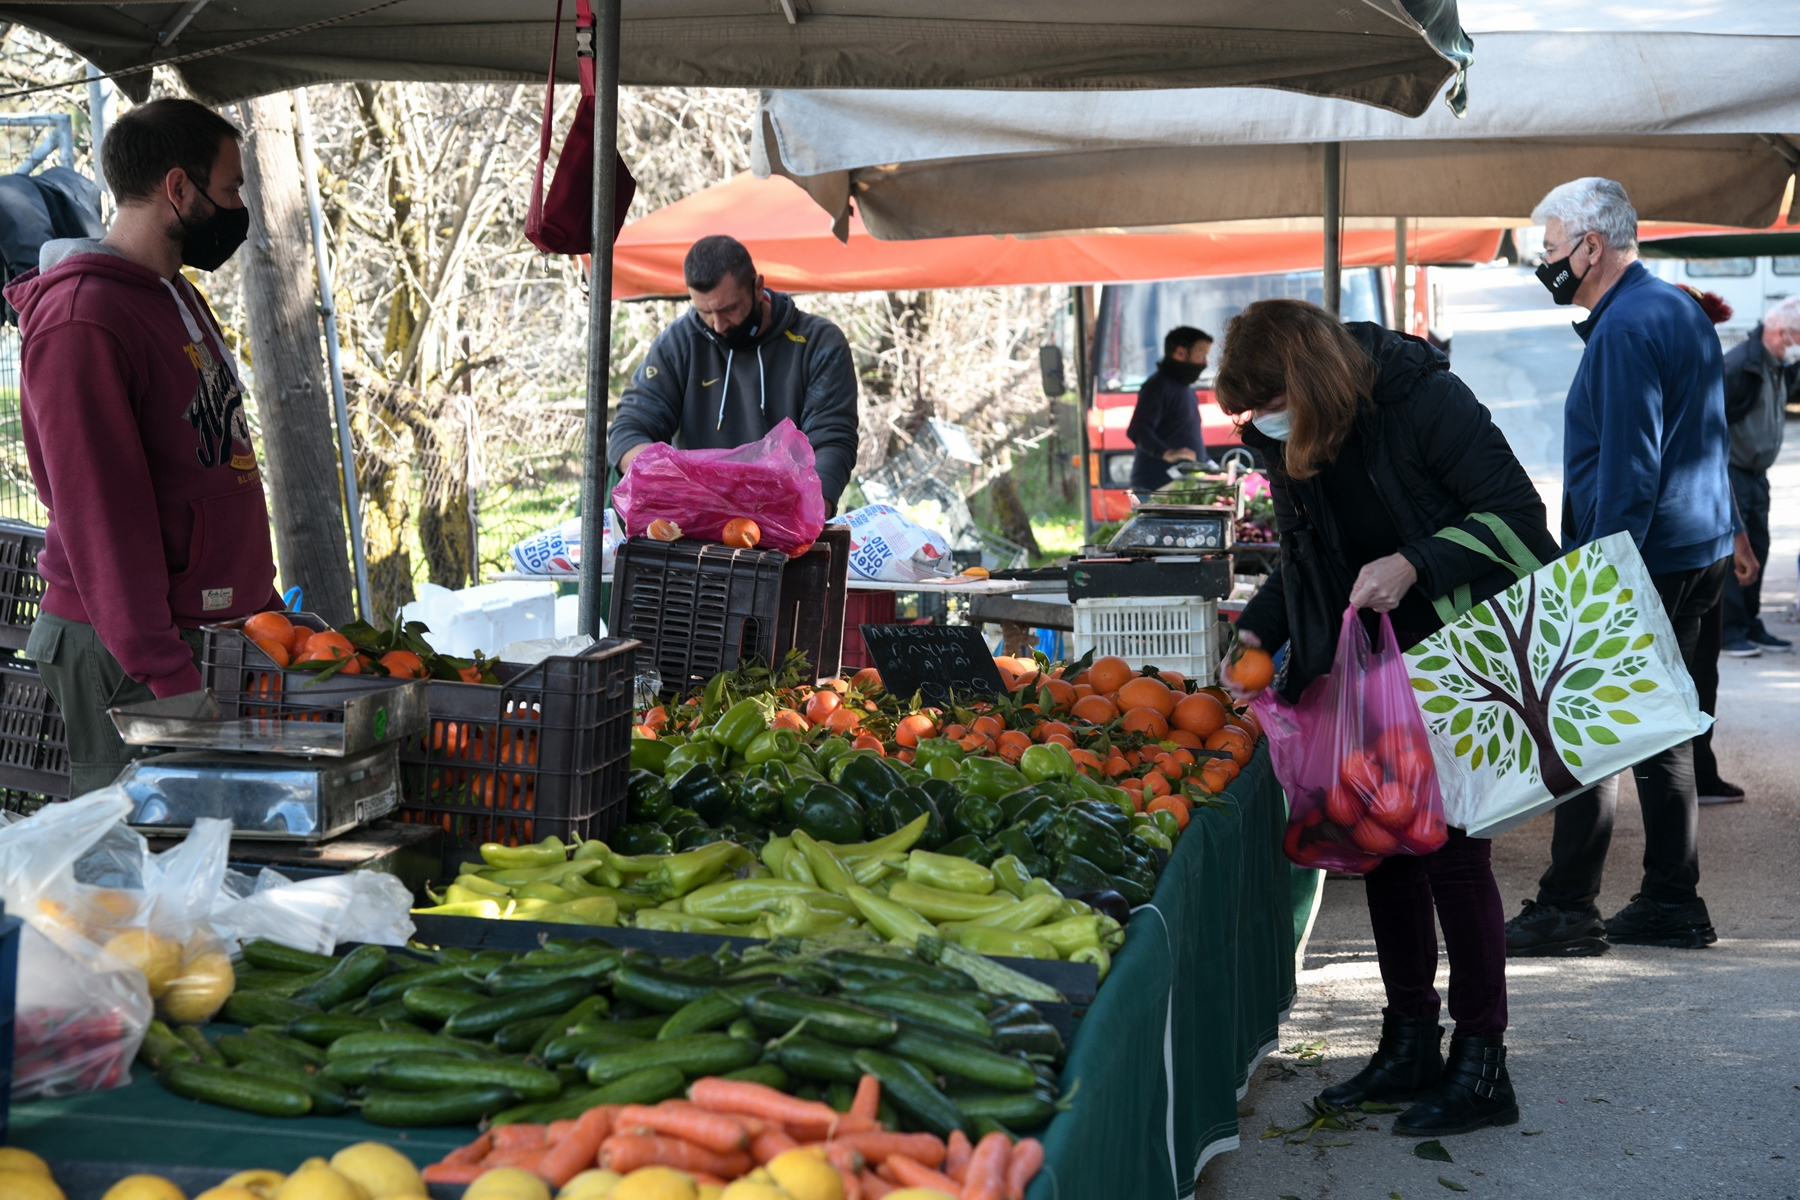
column 701, row 1054
column 328, row 1098
column 1016, row 1110
column 272, row 1035
column 426, row 1074
column 238, row 1048
column 998, row 1071
column 208, row 1052
column 911, row 1091
column 767, row 1074
column 246, row 978
column 744, row 1028
column 839, row 1096
column 387, row 1013
column 570, row 1046
column 481, row 1020
column 928, row 1008
column 810, row 1058
column 590, row 1011
column 661, row 991
column 1015, row 1012
column 395, row 986
column 404, row 1041
column 652, row 1085
column 506, row 980
column 162, row 1047
column 535, row 1113
column 234, row 1089
column 418, row 1109
column 355, row 1070
column 898, row 969
column 833, row 1020
column 262, row 1008
column 1040, row 1041
column 439, row 1003
column 518, row 1037
column 985, row 974
column 322, row 1029
column 354, row 974
column 273, row 956
column 699, row 1016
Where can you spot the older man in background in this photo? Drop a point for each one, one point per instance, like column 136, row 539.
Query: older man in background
column 1760, row 374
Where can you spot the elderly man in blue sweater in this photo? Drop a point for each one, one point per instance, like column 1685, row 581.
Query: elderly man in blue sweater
column 1645, row 447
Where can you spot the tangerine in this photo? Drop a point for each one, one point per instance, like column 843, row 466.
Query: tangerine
column 664, row 531
column 328, row 645
column 1109, row 674
column 469, row 674
column 1048, row 729
column 1235, row 742
column 274, row 649
column 404, row 664
column 787, row 718
column 865, row 679
column 913, row 728
column 820, row 706
column 1175, row 806
column 1096, row 710
column 843, row 719
column 1175, row 679
column 268, row 626
column 1146, row 721
column 1145, row 692
column 741, row 532
column 1184, row 739
column 1200, row 714
column 868, row 741
column 1250, row 669
column 297, row 644
column 1061, row 694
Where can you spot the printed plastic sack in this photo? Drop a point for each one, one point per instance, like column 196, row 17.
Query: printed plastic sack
column 888, row 545
column 557, row 550
column 773, row 482
column 317, row 914
column 1354, row 759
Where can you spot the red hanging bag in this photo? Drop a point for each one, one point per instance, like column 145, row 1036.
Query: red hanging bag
column 563, row 221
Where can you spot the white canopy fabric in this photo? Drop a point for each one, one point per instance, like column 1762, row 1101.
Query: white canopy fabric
column 1391, row 53
column 1688, row 112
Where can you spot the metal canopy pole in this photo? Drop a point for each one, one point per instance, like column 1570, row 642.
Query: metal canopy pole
column 1401, row 321
column 600, row 278
column 1083, row 374
column 1334, row 223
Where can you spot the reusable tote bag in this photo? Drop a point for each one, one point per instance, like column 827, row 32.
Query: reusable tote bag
column 1567, row 677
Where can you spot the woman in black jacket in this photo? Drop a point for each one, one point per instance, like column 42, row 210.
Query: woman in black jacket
column 1373, row 446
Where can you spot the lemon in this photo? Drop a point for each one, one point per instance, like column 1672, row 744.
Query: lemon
column 593, row 1184
column 29, row 1185
column 144, row 1187
column 380, row 1170
column 710, row 1191
column 226, row 1192
column 259, row 1183
column 315, row 1180
column 157, row 957
column 14, row 1159
column 201, row 989
column 805, row 1175
column 747, row 1189
column 656, row 1183
column 508, row 1183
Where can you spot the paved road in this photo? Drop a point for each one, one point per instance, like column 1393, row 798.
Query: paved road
column 1644, row 1075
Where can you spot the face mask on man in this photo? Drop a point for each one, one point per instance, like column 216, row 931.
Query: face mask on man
column 207, row 243
column 1273, row 424
column 1559, row 277
column 1791, row 356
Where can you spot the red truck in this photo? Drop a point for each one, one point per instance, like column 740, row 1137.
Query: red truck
column 1128, row 334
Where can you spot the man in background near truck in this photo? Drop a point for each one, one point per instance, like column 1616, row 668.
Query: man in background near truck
column 1761, row 372
column 737, row 362
column 133, row 421
column 1165, row 425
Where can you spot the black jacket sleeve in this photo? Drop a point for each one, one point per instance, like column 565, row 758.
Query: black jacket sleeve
column 1144, row 415
column 1743, row 386
column 1459, row 444
column 1266, row 614
column 650, row 409
column 829, row 416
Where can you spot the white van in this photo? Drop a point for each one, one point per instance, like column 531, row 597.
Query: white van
column 1752, row 286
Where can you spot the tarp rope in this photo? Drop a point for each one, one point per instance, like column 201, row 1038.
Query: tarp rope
column 198, row 54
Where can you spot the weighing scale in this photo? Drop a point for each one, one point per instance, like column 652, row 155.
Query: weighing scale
column 1175, row 529
column 292, row 780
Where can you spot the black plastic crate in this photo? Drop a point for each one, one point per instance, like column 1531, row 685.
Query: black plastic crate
column 34, row 750
column 546, row 751
column 21, row 587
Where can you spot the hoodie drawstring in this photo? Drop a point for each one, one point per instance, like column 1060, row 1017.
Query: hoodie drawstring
column 724, row 388
column 762, row 386
column 762, row 383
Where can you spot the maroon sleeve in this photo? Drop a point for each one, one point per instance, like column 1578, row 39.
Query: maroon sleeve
column 78, row 397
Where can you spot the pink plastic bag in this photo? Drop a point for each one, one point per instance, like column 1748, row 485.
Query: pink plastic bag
column 1354, row 759
column 772, row 482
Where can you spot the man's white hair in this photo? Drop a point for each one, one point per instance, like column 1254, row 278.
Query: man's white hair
column 1784, row 316
column 1591, row 205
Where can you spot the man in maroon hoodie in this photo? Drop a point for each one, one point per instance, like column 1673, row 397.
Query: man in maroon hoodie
column 134, row 425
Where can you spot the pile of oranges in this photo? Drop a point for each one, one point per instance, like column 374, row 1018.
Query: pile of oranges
column 289, row 644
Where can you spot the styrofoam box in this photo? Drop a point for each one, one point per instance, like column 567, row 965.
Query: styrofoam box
column 1177, row 633
column 484, row 618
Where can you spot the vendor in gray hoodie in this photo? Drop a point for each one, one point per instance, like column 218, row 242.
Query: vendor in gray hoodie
column 737, row 362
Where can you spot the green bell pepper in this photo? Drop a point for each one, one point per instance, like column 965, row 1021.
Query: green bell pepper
column 1135, row 883
column 1015, row 842
column 1119, row 798
column 1034, row 817
column 895, row 922
column 937, row 904
column 1152, row 835
column 827, row 752
column 938, row 748
column 841, row 763
column 759, row 801
column 738, row 726
column 1112, row 818
column 700, row 750
column 773, row 745
column 950, row 873
column 1074, row 832
column 1010, row 875
column 990, row 777
column 869, row 778
column 826, row 813
column 1168, row 822
column 701, row 790
column 976, row 815
column 546, row 853
column 1048, row 761
column 682, row 873
column 774, row 772
column 1079, row 875
column 970, row 847
column 649, row 754
column 643, row 839
column 945, row 769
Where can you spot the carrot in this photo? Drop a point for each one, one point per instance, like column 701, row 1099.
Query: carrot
column 509, row 1139
column 626, row 1152
column 713, row 1131
column 848, row 1163
column 1027, row 1157
column 956, row 1156
column 874, row 1187
column 474, row 1152
column 987, row 1168
column 769, row 1143
column 449, row 1172
column 734, row 1096
column 868, row 1097
column 912, row 1173
column 876, row 1147
column 577, row 1149
column 556, row 1131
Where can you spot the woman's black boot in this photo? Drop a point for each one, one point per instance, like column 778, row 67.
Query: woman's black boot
column 1407, row 1060
column 1474, row 1092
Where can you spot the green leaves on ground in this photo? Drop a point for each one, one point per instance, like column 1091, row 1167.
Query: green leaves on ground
column 1598, row 1100
column 1432, row 1151
column 1451, row 1184
column 1306, row 1050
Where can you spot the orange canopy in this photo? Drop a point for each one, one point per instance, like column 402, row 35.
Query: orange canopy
column 790, row 238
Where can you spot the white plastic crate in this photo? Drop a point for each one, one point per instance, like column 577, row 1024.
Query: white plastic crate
column 1179, row 633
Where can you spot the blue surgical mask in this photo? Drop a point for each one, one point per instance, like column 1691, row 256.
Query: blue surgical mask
column 1274, row 424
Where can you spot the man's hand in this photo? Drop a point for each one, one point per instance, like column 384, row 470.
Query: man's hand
column 1382, row 583
column 625, row 458
column 1743, row 561
column 1181, row 454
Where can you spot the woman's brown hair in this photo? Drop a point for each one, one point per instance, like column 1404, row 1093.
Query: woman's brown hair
column 1290, row 346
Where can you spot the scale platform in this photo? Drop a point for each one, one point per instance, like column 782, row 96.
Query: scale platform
column 1176, row 529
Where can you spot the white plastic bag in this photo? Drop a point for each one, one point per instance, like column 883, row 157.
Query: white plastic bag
column 557, row 550
column 317, row 914
column 887, row 545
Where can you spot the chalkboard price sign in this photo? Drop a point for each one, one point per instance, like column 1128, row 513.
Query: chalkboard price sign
column 933, row 660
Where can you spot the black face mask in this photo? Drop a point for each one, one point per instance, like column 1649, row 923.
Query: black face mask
column 207, row 243
column 1181, row 372
column 1560, row 280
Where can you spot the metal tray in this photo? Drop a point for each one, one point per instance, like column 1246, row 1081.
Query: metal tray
column 195, row 722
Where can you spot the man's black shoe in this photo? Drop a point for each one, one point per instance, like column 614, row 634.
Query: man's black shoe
column 1475, row 1092
column 1546, row 931
column 1408, row 1060
column 1646, row 922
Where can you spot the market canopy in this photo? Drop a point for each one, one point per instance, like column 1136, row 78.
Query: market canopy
column 793, row 245
column 1391, row 53
column 1694, row 111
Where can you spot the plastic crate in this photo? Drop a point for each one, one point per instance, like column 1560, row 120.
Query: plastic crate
column 546, row 751
column 21, row 587
column 34, row 750
column 1175, row 632
column 863, row 608
column 9, row 993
